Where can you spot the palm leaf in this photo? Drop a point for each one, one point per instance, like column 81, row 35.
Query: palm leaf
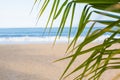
column 100, row 59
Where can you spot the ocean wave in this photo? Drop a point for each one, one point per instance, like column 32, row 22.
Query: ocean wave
column 26, row 39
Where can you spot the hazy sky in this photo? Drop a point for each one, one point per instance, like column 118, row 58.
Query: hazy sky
column 16, row 13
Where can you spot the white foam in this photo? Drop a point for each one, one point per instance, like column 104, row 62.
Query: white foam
column 12, row 40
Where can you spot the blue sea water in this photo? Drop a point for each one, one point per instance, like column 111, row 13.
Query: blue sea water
column 37, row 35
column 33, row 32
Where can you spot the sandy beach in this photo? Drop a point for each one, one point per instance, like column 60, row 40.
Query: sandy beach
column 35, row 62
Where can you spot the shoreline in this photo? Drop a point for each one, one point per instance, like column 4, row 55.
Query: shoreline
column 35, row 62
column 44, row 40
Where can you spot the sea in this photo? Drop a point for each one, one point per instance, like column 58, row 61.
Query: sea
column 40, row 35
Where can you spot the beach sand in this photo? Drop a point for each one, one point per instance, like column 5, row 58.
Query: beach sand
column 35, row 62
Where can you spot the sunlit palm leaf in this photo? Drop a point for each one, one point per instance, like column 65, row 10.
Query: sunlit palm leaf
column 108, row 7
column 100, row 59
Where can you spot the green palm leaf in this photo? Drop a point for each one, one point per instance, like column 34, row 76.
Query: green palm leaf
column 100, row 59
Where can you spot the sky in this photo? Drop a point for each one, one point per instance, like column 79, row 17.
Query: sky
column 16, row 13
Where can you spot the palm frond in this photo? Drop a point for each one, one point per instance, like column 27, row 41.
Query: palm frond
column 101, row 56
